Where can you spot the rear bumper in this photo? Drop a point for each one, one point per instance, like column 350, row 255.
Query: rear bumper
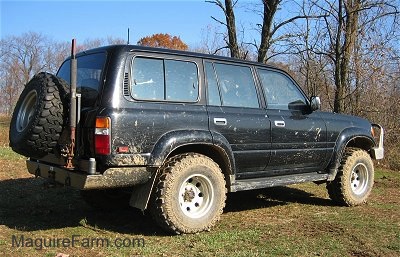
column 111, row 178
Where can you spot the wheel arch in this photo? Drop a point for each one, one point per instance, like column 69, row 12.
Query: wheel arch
column 362, row 142
column 216, row 153
column 204, row 142
column 351, row 137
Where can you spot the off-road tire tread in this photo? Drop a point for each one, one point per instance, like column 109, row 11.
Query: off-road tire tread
column 158, row 206
column 44, row 131
column 337, row 190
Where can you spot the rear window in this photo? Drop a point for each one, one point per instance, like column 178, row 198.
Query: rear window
column 90, row 68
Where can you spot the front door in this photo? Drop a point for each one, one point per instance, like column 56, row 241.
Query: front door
column 298, row 135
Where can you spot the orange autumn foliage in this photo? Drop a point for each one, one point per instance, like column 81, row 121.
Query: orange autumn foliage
column 162, row 40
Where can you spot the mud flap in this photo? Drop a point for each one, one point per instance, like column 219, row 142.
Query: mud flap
column 141, row 195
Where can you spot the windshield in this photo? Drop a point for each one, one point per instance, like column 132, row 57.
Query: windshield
column 90, row 68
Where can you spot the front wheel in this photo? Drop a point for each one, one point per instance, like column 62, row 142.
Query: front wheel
column 190, row 194
column 354, row 180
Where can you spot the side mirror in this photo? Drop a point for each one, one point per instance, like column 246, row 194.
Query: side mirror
column 315, row 103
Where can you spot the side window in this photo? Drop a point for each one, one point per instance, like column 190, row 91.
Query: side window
column 164, row 80
column 148, row 79
column 280, row 91
column 212, row 89
column 236, row 85
column 181, row 81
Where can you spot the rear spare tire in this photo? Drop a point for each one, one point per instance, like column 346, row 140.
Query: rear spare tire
column 38, row 117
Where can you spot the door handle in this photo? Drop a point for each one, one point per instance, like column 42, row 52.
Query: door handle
column 280, row 123
column 220, row 121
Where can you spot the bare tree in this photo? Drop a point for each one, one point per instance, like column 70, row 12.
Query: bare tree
column 211, row 42
column 54, row 54
column 21, row 57
column 357, row 50
column 343, row 29
column 270, row 27
column 268, row 32
column 27, row 51
column 230, row 25
column 115, row 41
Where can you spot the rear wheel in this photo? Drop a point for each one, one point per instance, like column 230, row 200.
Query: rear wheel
column 190, row 194
column 355, row 178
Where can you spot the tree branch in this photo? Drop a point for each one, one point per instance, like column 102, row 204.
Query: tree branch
column 219, row 4
column 219, row 49
column 296, row 18
column 220, row 22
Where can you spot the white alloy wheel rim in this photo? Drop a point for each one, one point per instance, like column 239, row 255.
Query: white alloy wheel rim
column 196, row 196
column 359, row 179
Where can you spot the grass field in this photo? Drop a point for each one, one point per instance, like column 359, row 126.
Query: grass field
column 298, row 220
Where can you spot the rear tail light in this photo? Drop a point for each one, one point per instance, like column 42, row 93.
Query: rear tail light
column 102, row 136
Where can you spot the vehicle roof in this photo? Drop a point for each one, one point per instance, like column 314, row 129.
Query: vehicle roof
column 136, row 48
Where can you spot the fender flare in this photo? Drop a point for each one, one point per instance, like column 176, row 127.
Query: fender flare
column 175, row 139
column 343, row 140
column 222, row 143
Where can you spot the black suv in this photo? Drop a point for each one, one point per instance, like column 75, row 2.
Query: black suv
column 178, row 130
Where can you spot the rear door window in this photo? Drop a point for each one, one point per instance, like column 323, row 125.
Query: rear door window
column 90, row 68
column 236, row 85
column 164, row 80
column 148, row 79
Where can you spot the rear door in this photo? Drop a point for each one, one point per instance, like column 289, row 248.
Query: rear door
column 234, row 112
column 89, row 84
column 298, row 135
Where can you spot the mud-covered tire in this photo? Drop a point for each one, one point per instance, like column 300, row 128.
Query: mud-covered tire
column 354, row 180
column 189, row 195
column 39, row 116
column 107, row 200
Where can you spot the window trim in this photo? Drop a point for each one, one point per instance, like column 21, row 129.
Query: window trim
column 163, row 58
column 207, row 85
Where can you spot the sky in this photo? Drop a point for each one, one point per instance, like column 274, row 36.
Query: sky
column 62, row 20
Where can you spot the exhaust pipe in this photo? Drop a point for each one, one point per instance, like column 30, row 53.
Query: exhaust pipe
column 72, row 111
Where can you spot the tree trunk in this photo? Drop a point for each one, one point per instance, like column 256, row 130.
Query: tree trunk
column 349, row 22
column 231, row 26
column 270, row 8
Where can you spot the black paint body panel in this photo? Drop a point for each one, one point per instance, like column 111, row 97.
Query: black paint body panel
column 253, row 145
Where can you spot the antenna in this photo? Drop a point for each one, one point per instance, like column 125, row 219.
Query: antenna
column 128, row 37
